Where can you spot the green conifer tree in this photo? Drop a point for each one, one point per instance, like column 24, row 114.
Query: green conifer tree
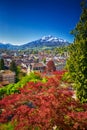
column 2, row 67
column 14, row 68
column 77, row 62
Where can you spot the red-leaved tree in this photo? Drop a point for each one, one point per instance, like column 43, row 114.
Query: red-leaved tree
column 50, row 66
column 42, row 106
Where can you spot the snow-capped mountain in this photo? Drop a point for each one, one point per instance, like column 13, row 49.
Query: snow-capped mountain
column 52, row 39
column 45, row 41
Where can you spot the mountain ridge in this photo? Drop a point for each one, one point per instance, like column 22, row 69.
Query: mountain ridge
column 47, row 41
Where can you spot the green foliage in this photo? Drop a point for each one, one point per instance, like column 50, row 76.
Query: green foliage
column 2, row 64
column 43, row 106
column 66, row 77
column 44, row 60
column 77, row 63
column 44, row 80
column 17, row 70
column 7, row 126
column 60, row 50
column 13, row 67
column 14, row 88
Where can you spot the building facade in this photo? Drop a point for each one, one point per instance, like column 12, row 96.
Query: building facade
column 7, row 76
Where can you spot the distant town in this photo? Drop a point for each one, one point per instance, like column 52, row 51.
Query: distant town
column 30, row 60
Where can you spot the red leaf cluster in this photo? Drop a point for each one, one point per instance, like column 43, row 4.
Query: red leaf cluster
column 44, row 105
column 50, row 66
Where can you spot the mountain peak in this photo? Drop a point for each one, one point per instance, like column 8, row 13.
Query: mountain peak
column 51, row 38
column 46, row 37
column 45, row 41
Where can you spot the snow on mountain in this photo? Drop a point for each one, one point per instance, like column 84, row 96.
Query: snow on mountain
column 51, row 38
column 47, row 41
column 46, row 38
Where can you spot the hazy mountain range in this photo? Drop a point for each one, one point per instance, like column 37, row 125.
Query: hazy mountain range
column 45, row 41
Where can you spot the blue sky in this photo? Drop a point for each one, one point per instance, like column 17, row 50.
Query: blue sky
column 22, row 21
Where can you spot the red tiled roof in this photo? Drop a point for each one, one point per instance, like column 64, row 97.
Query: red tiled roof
column 38, row 65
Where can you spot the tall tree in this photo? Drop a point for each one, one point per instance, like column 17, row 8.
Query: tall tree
column 13, row 67
column 77, row 63
column 50, row 66
column 2, row 67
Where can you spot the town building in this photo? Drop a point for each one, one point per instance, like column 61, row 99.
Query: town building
column 7, row 77
column 39, row 67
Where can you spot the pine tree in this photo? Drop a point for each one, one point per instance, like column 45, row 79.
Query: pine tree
column 13, row 67
column 2, row 67
column 77, row 63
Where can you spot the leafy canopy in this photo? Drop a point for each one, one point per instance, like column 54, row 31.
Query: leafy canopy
column 77, row 62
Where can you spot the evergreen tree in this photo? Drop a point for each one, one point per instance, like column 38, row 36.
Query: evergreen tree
column 13, row 67
column 17, row 70
column 2, row 67
column 77, row 62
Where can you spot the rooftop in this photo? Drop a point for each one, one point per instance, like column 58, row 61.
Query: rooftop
column 7, row 72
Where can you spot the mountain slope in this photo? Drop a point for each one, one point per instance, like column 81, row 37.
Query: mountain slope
column 8, row 46
column 46, row 41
